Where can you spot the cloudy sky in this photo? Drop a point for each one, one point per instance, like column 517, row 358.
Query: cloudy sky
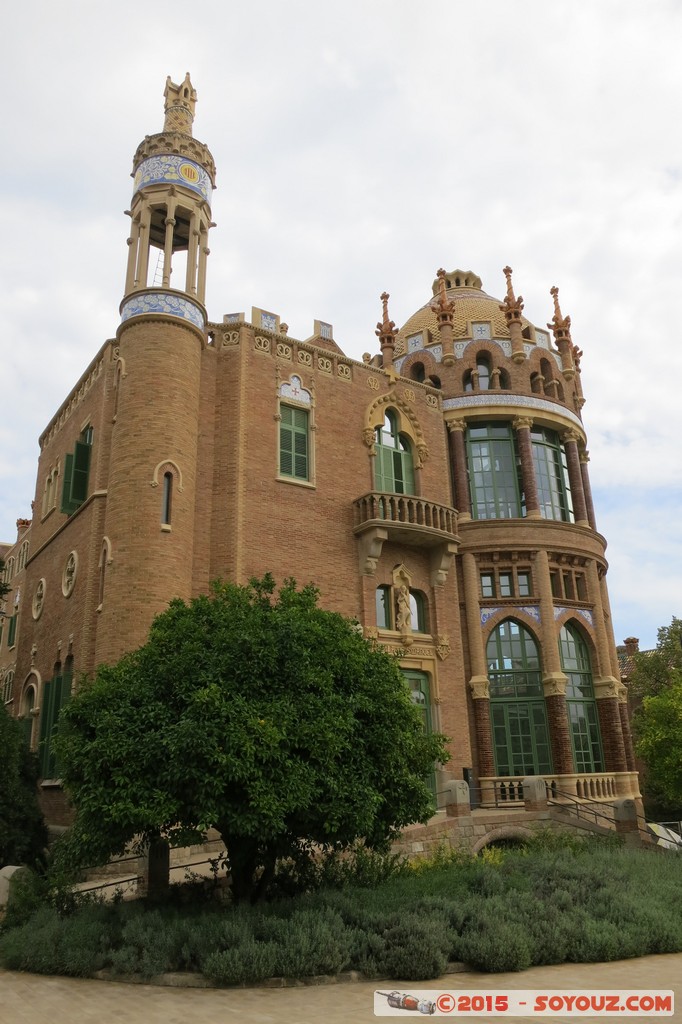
column 360, row 146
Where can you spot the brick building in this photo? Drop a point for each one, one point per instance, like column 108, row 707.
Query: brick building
column 438, row 491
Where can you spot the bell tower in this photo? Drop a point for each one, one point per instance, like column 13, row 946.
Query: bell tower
column 174, row 177
column 161, row 343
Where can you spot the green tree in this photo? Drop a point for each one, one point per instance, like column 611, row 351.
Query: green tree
column 652, row 669
column 23, row 836
column 658, row 727
column 260, row 715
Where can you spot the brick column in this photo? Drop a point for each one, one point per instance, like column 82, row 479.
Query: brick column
column 587, row 490
column 570, row 440
column 478, row 684
column 605, row 684
column 625, row 727
column 522, row 427
column 554, row 679
column 458, row 465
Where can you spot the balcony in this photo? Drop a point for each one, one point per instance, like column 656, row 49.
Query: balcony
column 406, row 519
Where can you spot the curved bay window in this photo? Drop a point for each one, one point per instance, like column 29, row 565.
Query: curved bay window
column 493, row 476
column 551, row 474
column 393, row 466
column 517, row 705
column 582, row 706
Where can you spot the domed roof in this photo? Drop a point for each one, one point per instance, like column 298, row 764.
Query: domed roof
column 472, row 305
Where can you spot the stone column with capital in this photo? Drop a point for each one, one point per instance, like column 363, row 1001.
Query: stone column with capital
column 587, row 490
column 554, row 680
column 512, row 309
column 458, row 465
column 575, row 479
column 606, row 686
column 478, row 683
column 444, row 308
column 524, row 445
column 625, row 727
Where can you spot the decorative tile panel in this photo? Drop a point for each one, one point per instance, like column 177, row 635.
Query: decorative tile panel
column 415, row 342
column 174, row 170
column 532, row 610
column 481, row 400
column 293, row 391
column 487, row 613
column 163, row 302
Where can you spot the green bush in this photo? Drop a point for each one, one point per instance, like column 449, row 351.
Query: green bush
column 415, row 950
column 251, row 962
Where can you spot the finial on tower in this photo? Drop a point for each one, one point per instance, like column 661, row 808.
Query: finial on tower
column 179, row 106
column 512, row 305
column 386, row 328
column 560, row 325
column 442, row 305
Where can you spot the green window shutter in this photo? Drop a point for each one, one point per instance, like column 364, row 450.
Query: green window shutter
column 12, row 631
column 45, row 728
column 79, row 478
column 293, row 443
column 66, row 505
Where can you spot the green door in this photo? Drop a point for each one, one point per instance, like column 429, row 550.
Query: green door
column 421, row 696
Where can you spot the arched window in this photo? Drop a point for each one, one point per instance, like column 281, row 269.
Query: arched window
column 418, row 683
column 167, row 499
column 417, row 372
column 384, row 600
column 56, row 693
column 517, row 705
column 551, row 474
column 27, row 705
column 7, row 686
column 23, row 556
column 483, row 370
column 393, row 468
column 582, row 707
column 418, row 618
column 493, row 472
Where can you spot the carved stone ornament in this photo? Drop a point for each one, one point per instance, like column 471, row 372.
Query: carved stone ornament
column 480, row 688
column 409, row 395
column 324, row 364
column 554, row 685
column 38, row 600
column 443, row 646
column 305, row 358
column 230, row 338
column 283, row 351
column 368, row 438
column 373, row 383
column 432, row 401
column 607, row 687
column 344, row 371
column 262, row 344
column 69, row 574
column 371, row 633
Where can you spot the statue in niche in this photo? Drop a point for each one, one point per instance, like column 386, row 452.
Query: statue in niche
column 404, row 616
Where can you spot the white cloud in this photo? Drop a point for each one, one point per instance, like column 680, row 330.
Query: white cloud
column 359, row 147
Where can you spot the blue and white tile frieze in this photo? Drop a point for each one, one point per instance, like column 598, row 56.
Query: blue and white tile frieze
column 415, row 342
column 487, row 613
column 499, row 399
column 533, row 610
column 174, row 170
column 163, row 302
column 584, row 612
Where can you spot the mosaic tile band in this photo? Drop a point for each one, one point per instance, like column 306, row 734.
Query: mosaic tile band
column 166, row 303
column 174, row 170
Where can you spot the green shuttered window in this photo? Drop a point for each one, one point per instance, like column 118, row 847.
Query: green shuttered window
column 294, row 456
column 76, row 473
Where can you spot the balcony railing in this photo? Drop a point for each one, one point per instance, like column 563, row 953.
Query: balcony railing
column 406, row 517
column 598, row 787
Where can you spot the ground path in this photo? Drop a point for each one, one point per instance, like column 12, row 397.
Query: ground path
column 32, row 999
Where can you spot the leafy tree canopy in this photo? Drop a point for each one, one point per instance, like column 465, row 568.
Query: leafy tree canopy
column 658, row 727
column 652, row 669
column 260, row 715
column 23, row 836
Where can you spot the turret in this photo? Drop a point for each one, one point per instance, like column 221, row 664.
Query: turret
column 161, row 342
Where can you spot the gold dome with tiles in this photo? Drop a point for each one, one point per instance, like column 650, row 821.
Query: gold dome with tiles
column 472, row 306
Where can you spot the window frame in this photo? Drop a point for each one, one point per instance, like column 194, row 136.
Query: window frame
column 498, row 490
column 294, row 431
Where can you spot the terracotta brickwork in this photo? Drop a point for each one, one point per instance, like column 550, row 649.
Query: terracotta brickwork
column 182, row 417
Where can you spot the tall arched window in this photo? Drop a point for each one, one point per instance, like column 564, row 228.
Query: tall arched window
column 517, row 704
column 493, row 473
column 420, row 690
column 167, row 499
column 551, row 475
column 393, row 467
column 483, row 370
column 582, row 707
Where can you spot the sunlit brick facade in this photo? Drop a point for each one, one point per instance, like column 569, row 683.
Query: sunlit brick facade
column 437, row 492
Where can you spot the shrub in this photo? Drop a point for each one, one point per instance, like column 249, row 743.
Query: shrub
column 250, row 962
column 495, row 946
column 415, row 950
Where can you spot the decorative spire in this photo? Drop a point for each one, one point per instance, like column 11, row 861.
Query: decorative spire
column 512, row 306
column 560, row 325
column 386, row 332
column 386, row 328
column 442, row 305
column 179, row 106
